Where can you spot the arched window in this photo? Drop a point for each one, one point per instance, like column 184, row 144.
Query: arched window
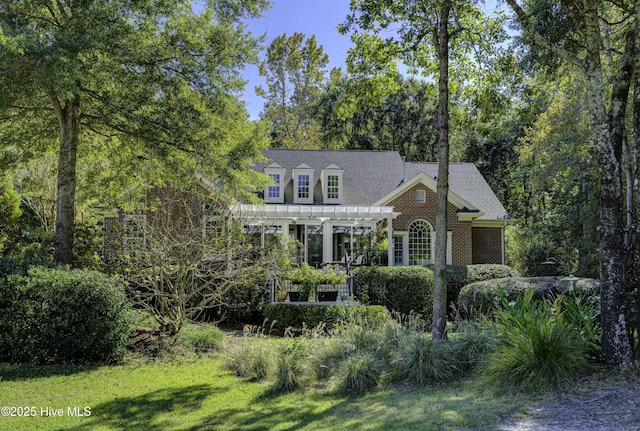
column 420, row 242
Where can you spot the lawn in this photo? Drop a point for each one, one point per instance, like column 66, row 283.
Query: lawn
column 197, row 393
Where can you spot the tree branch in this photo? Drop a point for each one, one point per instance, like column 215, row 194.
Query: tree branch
column 540, row 40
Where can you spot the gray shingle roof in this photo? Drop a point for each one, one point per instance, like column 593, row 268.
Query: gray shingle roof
column 370, row 175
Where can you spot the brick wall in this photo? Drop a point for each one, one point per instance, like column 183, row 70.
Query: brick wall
column 461, row 252
column 487, row 245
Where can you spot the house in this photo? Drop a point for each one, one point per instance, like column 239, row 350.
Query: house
column 341, row 204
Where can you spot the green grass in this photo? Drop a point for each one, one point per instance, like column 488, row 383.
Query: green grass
column 198, row 393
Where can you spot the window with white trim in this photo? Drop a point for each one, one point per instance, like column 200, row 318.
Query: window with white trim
column 398, row 250
column 332, row 184
column 420, row 237
column 421, row 196
column 303, row 185
column 274, row 193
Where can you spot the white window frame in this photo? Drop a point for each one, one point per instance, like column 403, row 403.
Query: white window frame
column 404, row 237
column 429, row 245
column 332, row 171
column 297, row 173
column 421, row 196
column 272, row 171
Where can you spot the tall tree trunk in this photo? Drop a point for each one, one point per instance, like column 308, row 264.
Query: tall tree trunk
column 438, row 328
column 635, row 145
column 616, row 349
column 69, row 119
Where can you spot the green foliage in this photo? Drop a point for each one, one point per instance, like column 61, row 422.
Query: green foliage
column 401, row 289
column 62, row 315
column 536, row 349
column 478, row 299
column 9, row 214
column 425, row 361
column 201, row 338
column 157, row 81
column 294, row 70
column 383, row 124
column 292, row 366
column 458, row 276
column 250, row 358
column 295, row 316
column 359, row 373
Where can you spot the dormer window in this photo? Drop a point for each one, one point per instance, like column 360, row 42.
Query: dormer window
column 274, row 193
column 332, row 184
column 303, row 184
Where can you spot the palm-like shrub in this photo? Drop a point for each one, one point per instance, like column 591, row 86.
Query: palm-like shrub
column 536, row 349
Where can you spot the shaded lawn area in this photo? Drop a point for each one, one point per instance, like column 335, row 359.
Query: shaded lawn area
column 198, row 394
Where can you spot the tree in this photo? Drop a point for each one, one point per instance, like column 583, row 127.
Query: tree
column 582, row 48
column 187, row 257
column 295, row 73
column 152, row 74
column 425, row 34
column 402, row 121
column 9, row 211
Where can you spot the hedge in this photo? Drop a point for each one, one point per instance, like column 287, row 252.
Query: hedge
column 63, row 316
column 403, row 289
column 295, row 315
column 478, row 299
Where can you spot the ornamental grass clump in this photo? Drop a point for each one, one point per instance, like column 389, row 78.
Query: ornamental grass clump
column 360, row 372
column 425, row 361
column 536, row 350
column 250, row 358
column 293, row 368
column 202, row 338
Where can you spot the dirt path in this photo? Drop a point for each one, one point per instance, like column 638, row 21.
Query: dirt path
column 595, row 406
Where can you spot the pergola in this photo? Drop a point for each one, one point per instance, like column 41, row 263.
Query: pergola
column 326, row 216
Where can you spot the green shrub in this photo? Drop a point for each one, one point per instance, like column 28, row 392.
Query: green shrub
column 536, row 350
column 458, row 276
column 62, row 315
column 201, row 337
column 360, row 372
column 290, row 315
column 479, row 299
column 401, row 289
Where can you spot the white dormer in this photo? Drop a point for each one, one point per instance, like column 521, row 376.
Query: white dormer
column 303, row 184
column 274, row 193
column 332, row 184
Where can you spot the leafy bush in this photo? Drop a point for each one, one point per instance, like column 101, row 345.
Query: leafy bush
column 458, row 276
column 478, row 299
column 536, row 349
column 401, row 289
column 290, row 315
column 62, row 315
column 201, row 337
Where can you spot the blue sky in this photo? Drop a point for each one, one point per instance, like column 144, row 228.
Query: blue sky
column 310, row 17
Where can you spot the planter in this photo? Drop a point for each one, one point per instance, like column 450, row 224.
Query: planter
column 298, row 296
column 328, row 296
